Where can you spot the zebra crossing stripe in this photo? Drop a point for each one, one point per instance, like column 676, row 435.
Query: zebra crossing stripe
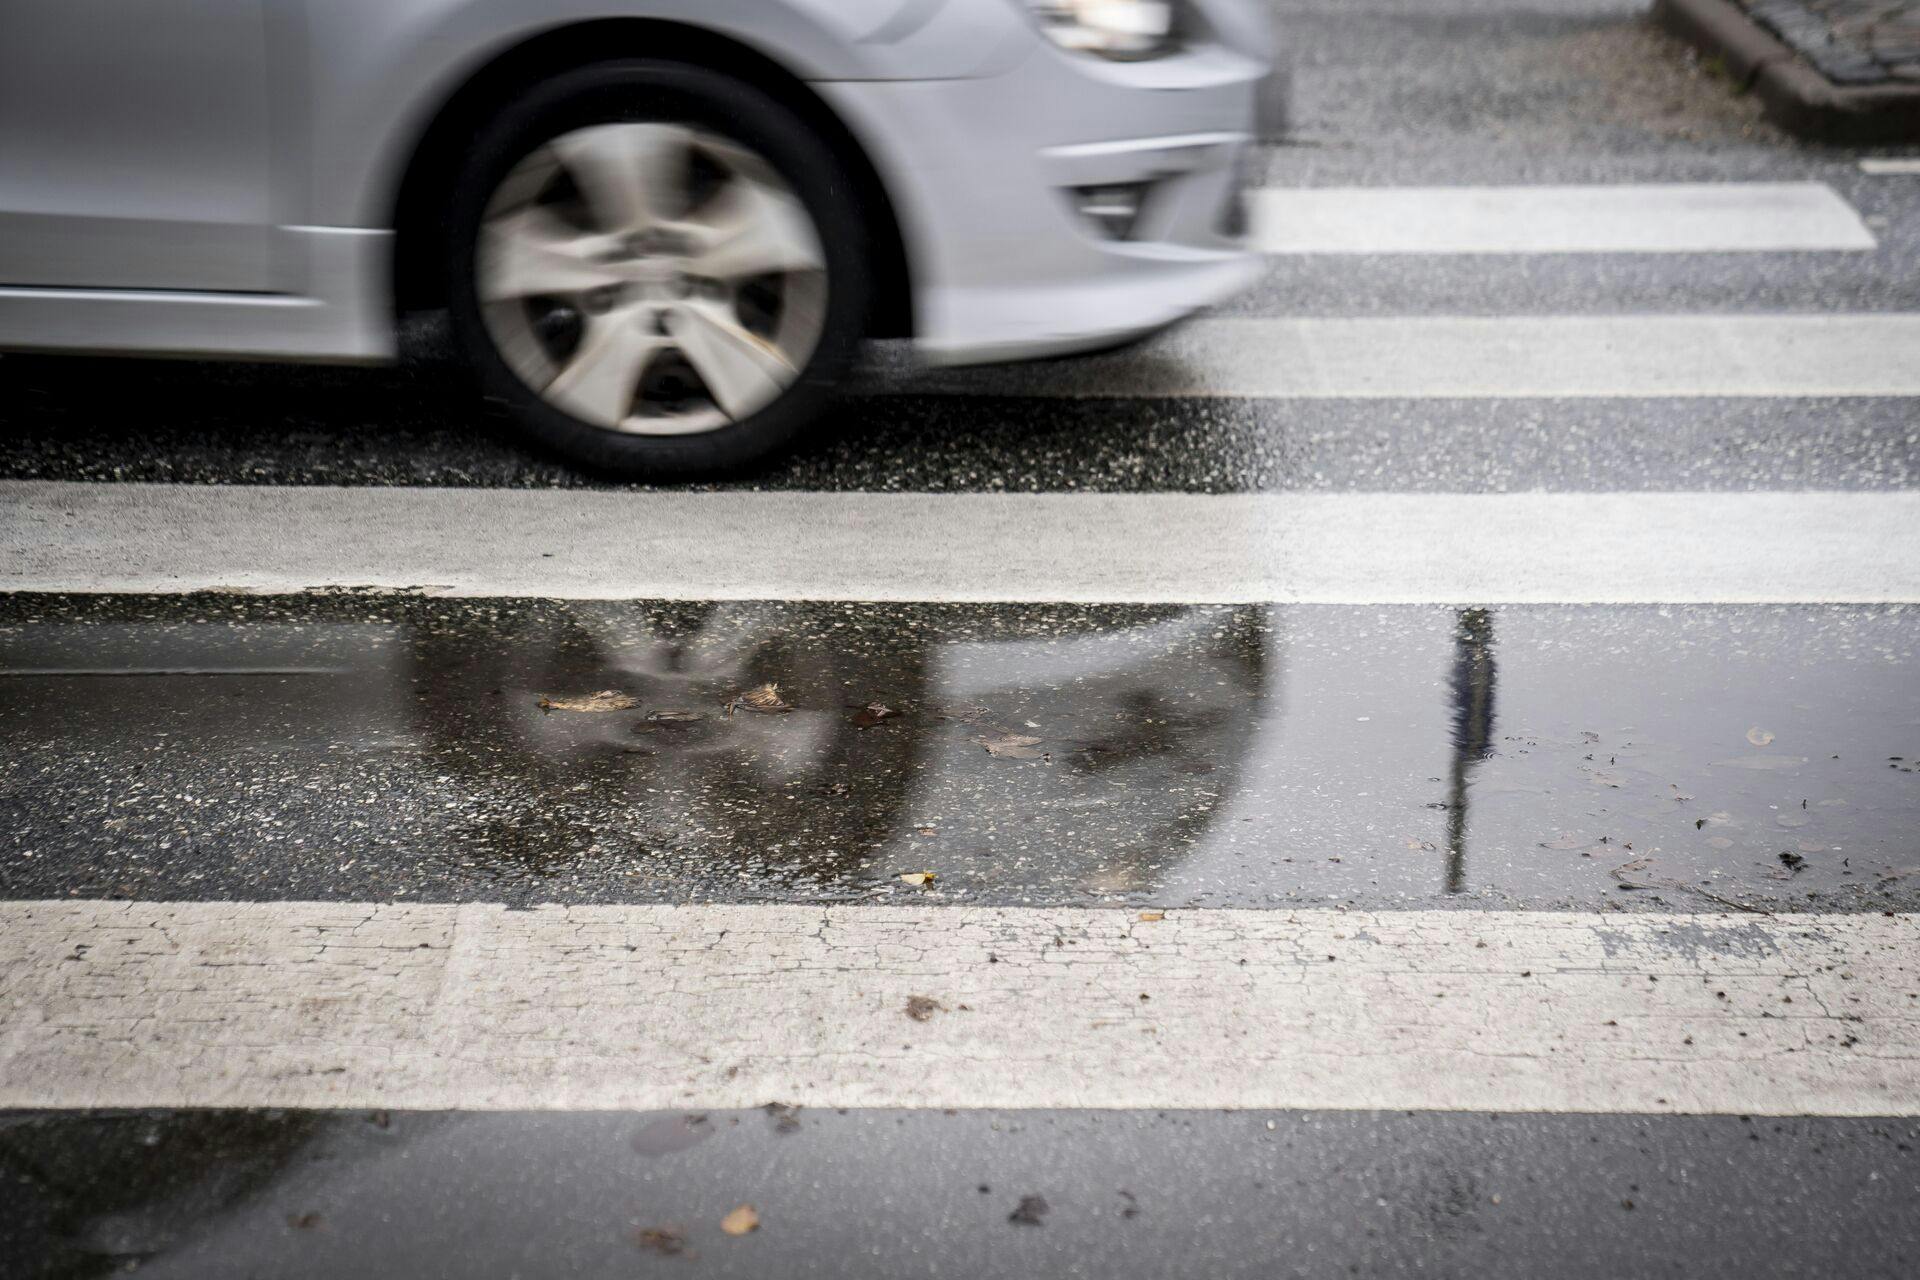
column 1478, row 358
column 1524, row 548
column 143, row 1004
column 1706, row 217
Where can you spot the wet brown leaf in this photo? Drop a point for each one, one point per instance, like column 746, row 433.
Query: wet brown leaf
column 668, row 1241
column 1030, row 1211
column 920, row 1008
column 1629, row 873
column 1633, row 875
column 918, row 879
column 763, row 698
column 741, row 1221
column 1759, row 737
column 873, row 713
column 1014, row 746
column 605, row 700
column 303, row 1221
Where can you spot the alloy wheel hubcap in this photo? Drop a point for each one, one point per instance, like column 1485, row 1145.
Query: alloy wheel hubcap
column 654, row 279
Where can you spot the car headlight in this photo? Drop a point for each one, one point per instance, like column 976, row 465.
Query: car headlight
column 1123, row 30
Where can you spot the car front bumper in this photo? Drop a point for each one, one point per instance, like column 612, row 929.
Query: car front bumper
column 984, row 171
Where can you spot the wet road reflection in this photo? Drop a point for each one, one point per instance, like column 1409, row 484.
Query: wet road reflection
column 1472, row 687
column 409, row 1195
column 354, row 747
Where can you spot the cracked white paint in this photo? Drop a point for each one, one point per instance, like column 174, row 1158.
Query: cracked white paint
column 478, row 1007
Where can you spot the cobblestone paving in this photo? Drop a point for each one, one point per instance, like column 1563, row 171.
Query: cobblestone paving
column 1851, row 42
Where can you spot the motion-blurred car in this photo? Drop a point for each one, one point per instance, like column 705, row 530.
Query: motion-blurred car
column 660, row 227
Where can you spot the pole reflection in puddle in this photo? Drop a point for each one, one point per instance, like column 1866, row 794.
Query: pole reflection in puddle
column 1472, row 686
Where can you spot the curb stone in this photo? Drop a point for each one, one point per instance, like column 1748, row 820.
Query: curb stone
column 1795, row 96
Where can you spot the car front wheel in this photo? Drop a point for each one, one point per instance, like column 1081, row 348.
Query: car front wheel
column 658, row 267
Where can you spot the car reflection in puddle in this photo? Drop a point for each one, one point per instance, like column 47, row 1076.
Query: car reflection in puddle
column 1126, row 731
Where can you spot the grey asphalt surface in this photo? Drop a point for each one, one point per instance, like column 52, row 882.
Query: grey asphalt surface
column 882, row 1193
column 1509, row 759
column 171, row 422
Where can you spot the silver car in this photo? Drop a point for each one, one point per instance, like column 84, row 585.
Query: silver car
column 660, row 228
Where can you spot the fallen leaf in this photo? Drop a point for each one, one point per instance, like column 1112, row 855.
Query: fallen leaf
column 1759, row 737
column 1151, row 917
column 303, row 1221
column 1030, row 1211
column 740, row 1221
column 763, row 698
column 1631, row 875
column 1016, row 746
column 676, row 717
column 873, row 713
column 663, row 1240
column 920, row 1008
column 1627, row 872
column 919, row 879
column 605, row 700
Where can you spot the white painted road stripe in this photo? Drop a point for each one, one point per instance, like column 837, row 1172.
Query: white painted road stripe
column 1601, row 548
column 111, row 1004
column 1890, row 165
column 1482, row 357
column 1657, row 218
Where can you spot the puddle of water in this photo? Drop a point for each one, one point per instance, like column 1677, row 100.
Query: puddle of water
column 1223, row 755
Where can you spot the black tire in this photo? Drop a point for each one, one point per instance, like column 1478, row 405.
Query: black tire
column 641, row 90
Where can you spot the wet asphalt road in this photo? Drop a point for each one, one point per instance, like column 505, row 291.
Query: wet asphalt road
column 887, row 1193
column 1727, row 759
